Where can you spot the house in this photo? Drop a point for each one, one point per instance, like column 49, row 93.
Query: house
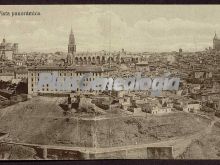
column 125, row 99
column 140, row 101
column 15, row 81
column 125, row 102
column 6, row 76
column 21, row 73
column 199, row 74
column 136, row 111
column 142, row 66
column 155, row 107
column 192, row 107
column 160, row 110
column 194, row 88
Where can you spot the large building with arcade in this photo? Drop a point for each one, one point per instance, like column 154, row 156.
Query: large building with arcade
column 97, row 58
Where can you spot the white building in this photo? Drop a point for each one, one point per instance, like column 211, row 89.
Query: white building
column 63, row 73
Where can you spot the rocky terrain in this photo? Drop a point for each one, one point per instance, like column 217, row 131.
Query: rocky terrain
column 43, row 121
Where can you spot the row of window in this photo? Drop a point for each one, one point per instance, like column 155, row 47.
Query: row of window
column 71, row 74
column 87, row 79
column 47, row 89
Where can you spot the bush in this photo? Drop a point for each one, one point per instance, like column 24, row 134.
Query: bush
column 217, row 114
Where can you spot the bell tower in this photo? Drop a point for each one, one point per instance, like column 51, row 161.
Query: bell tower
column 72, row 44
column 71, row 47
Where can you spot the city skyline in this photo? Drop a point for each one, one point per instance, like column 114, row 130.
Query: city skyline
column 152, row 28
column 96, row 82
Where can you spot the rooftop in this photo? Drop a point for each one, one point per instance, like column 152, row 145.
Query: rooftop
column 75, row 68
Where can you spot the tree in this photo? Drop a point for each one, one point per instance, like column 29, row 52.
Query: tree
column 22, row 87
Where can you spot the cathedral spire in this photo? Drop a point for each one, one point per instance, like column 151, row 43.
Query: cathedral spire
column 71, row 37
column 215, row 37
column 72, row 44
column 71, row 32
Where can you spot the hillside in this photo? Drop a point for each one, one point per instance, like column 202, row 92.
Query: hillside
column 42, row 121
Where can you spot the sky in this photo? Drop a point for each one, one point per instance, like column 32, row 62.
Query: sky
column 142, row 28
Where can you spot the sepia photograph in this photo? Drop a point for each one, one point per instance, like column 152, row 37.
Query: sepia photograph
column 97, row 82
